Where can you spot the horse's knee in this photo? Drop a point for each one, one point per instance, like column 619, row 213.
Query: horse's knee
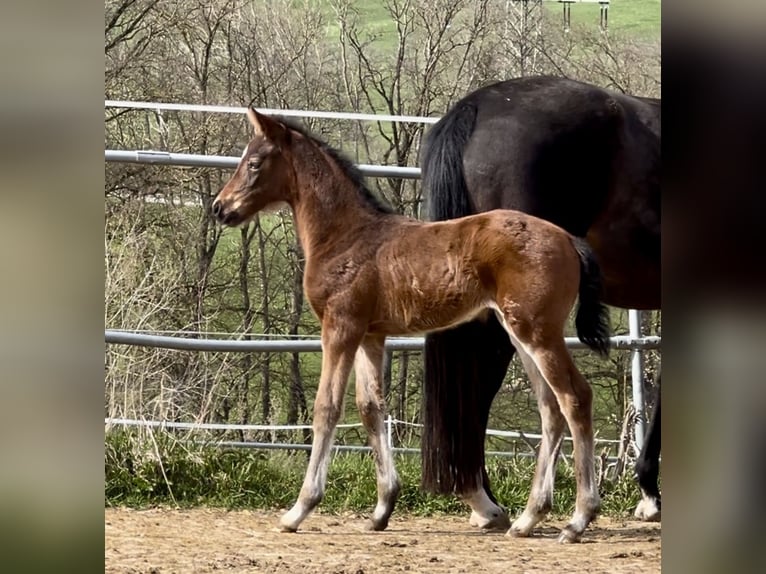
column 326, row 415
column 369, row 409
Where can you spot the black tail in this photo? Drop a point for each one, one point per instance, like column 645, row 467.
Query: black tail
column 443, row 181
column 464, row 366
column 592, row 318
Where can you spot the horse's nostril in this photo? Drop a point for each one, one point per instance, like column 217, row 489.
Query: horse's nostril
column 216, row 208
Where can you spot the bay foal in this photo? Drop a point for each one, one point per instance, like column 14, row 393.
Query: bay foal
column 372, row 273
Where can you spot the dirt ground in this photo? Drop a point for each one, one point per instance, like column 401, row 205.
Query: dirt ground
column 161, row 541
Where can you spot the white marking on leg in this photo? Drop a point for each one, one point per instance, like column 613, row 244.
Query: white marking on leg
column 314, row 482
column 369, row 398
column 648, row 509
column 337, row 360
column 588, row 499
column 485, row 514
column 552, row 424
column 541, row 492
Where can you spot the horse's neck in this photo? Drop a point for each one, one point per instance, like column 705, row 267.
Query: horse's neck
column 327, row 205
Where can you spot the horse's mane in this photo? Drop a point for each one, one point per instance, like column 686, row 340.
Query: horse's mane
column 344, row 163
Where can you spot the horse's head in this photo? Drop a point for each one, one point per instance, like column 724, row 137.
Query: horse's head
column 262, row 176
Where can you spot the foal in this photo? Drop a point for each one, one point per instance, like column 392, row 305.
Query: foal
column 371, row 273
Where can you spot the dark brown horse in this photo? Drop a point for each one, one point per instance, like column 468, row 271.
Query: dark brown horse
column 372, row 273
column 584, row 158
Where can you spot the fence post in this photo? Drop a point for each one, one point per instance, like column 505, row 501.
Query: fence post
column 390, row 431
column 637, row 377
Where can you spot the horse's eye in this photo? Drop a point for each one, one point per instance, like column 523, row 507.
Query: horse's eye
column 254, row 164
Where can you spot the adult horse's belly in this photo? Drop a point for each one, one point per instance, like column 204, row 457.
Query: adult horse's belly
column 629, row 266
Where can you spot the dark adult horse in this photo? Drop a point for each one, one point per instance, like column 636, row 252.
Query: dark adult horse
column 584, row 158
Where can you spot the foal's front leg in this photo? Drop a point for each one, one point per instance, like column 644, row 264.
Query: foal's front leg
column 337, row 360
column 372, row 406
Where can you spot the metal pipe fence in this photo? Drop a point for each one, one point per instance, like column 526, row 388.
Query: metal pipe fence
column 390, row 424
column 230, row 162
column 120, row 337
column 159, row 107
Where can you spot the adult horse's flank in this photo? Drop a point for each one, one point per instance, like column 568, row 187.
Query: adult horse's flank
column 584, row 158
column 371, row 273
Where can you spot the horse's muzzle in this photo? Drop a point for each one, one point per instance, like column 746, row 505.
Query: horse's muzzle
column 219, row 211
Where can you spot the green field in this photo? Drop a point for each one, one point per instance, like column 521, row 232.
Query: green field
column 639, row 17
column 635, row 17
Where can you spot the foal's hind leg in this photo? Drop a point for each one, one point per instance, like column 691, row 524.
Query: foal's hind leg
column 371, row 404
column 337, row 360
column 553, row 424
column 548, row 352
column 575, row 397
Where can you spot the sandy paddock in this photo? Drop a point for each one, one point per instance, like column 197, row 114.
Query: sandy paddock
column 161, row 541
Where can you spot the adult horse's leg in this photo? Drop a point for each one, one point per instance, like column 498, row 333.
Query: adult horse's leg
column 338, row 349
column 648, row 468
column 493, row 362
column 553, row 424
column 371, row 404
column 464, row 368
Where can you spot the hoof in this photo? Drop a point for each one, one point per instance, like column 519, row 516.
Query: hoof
column 569, row 536
column 286, row 526
column 648, row 511
column 523, row 526
column 376, row 525
column 499, row 521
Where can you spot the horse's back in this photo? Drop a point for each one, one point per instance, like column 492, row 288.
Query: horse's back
column 580, row 156
column 521, row 248
column 552, row 147
column 432, row 276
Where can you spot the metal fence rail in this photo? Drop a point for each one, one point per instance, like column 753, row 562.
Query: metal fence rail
column 120, row 337
column 158, row 107
column 230, row 162
column 390, row 423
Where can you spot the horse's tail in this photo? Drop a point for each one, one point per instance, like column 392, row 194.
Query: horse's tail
column 455, row 398
column 442, row 178
column 592, row 318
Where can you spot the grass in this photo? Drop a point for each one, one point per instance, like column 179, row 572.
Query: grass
column 639, row 18
column 150, row 470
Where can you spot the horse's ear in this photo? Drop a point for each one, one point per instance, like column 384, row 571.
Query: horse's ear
column 255, row 120
column 264, row 125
